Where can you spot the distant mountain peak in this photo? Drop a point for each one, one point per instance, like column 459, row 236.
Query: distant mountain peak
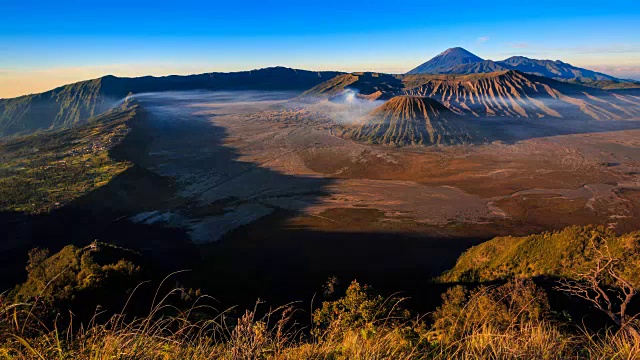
column 459, row 51
column 447, row 59
column 457, row 60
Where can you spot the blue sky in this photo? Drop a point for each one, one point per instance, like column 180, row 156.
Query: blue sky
column 46, row 43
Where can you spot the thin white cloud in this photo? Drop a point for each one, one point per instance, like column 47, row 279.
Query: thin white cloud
column 482, row 39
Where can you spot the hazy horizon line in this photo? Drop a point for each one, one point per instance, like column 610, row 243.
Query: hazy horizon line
column 62, row 76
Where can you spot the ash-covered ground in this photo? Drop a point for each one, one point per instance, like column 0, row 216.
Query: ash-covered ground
column 238, row 157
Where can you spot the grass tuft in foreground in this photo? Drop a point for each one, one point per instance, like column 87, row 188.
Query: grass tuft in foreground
column 499, row 322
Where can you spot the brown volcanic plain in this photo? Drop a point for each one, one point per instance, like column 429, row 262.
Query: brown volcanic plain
column 276, row 196
column 537, row 174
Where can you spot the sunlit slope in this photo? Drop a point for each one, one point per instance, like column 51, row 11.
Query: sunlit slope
column 409, row 120
column 74, row 103
column 497, row 94
column 515, row 94
column 554, row 254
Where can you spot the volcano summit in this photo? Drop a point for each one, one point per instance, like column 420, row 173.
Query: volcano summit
column 410, row 120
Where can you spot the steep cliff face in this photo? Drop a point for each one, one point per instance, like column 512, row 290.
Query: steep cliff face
column 74, row 103
column 62, row 106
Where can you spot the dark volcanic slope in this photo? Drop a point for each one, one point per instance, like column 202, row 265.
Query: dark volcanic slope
column 461, row 61
column 485, row 66
column 62, row 106
column 552, row 69
column 369, row 85
column 447, row 61
column 503, row 93
column 409, row 120
column 77, row 102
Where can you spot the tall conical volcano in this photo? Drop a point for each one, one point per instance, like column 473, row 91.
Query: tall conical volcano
column 410, row 120
column 460, row 61
column 450, row 59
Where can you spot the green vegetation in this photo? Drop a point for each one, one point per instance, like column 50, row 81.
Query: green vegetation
column 514, row 319
column 359, row 308
column 51, row 313
column 47, row 170
column 72, row 271
column 505, row 322
column 552, row 254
